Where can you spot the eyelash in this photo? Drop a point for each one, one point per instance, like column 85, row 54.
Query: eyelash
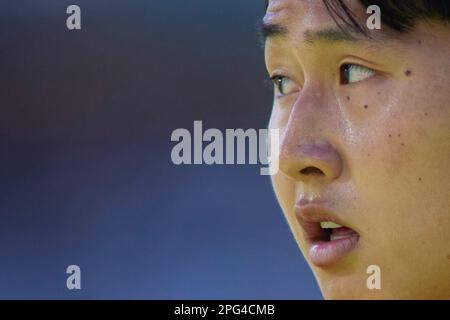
column 345, row 69
column 277, row 81
column 345, row 77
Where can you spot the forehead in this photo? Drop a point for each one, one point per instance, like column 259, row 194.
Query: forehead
column 324, row 21
column 285, row 12
column 299, row 16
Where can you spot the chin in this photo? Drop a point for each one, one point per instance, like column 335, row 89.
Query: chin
column 339, row 290
column 349, row 294
column 344, row 283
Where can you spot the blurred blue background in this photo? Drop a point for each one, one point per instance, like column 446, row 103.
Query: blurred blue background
column 86, row 175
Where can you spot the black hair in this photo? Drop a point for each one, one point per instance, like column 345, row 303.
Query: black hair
column 399, row 15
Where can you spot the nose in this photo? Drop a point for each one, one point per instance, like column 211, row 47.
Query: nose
column 305, row 152
column 310, row 160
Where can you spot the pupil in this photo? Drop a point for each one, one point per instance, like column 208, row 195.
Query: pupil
column 280, row 85
column 345, row 71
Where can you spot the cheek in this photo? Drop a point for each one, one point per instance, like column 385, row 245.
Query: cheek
column 401, row 165
column 380, row 155
column 411, row 137
column 365, row 102
column 392, row 140
column 394, row 148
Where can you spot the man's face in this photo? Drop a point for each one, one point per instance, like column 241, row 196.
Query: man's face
column 365, row 143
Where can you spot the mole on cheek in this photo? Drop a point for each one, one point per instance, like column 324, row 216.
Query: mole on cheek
column 408, row 73
column 420, row 179
column 366, row 106
column 348, row 98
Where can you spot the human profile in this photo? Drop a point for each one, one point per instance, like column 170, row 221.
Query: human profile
column 364, row 120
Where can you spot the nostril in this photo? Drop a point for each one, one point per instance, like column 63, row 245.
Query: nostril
column 313, row 171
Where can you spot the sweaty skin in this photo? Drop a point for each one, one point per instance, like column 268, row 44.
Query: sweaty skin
column 377, row 150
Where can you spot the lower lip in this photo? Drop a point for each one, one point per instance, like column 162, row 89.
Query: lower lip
column 323, row 253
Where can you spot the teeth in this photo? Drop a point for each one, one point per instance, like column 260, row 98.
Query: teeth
column 329, row 225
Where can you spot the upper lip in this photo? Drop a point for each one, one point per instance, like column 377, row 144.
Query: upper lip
column 309, row 215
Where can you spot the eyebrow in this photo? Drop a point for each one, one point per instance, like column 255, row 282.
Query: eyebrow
column 270, row 30
column 331, row 35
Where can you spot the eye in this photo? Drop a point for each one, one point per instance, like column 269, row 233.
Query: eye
column 351, row 73
column 284, row 85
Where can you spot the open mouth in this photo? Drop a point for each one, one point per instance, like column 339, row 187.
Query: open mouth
column 334, row 231
column 330, row 240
